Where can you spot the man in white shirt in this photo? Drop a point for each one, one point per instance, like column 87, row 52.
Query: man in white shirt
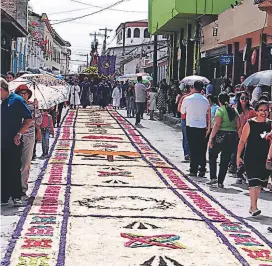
column 140, row 99
column 198, row 124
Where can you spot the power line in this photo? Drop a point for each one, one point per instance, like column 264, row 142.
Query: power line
column 98, row 11
column 68, row 11
column 113, row 9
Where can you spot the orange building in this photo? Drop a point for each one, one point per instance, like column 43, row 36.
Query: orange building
column 244, row 32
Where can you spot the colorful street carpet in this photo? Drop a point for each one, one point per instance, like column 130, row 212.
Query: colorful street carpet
column 107, row 197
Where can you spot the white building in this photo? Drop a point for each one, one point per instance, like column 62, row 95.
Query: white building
column 35, row 46
column 134, row 46
column 56, row 52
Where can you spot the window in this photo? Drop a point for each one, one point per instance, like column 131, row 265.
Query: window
column 136, row 33
column 129, row 33
column 146, row 34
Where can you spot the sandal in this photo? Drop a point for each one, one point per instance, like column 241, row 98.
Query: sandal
column 256, row 212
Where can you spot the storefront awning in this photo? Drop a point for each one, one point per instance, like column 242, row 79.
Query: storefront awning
column 11, row 26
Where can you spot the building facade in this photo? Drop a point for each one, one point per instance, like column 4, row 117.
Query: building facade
column 56, row 50
column 183, row 21
column 245, row 32
column 134, row 45
column 14, row 28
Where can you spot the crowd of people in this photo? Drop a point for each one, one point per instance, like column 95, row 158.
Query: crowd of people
column 19, row 139
column 236, row 125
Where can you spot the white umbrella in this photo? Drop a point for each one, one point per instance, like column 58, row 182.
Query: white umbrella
column 259, row 78
column 190, row 80
column 48, row 90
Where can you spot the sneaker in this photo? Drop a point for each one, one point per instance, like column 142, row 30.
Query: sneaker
column 220, row 186
column 256, row 212
column 201, row 174
column 17, row 202
column 187, row 158
column 192, row 174
column 212, row 182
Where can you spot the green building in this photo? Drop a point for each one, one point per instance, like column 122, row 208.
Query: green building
column 182, row 21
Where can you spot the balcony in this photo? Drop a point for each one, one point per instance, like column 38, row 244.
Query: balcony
column 172, row 15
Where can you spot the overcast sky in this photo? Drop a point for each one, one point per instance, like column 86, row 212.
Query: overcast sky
column 77, row 32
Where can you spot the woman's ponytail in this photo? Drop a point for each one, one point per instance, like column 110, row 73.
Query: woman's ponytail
column 224, row 100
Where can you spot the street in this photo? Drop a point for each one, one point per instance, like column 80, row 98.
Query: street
column 111, row 194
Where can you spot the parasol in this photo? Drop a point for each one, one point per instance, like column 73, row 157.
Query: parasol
column 259, row 78
column 190, row 80
column 48, row 90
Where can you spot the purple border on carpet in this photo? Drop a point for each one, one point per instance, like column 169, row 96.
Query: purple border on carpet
column 234, row 251
column 19, row 227
column 240, row 219
column 66, row 211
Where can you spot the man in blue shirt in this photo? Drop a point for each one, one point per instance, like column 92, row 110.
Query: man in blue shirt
column 15, row 120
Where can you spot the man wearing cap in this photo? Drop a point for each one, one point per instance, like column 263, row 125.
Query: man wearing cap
column 28, row 138
column 16, row 119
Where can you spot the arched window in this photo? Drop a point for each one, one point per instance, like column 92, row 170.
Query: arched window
column 136, row 33
column 146, row 34
column 129, row 33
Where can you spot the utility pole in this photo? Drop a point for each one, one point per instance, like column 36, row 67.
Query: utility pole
column 106, row 30
column 155, row 61
column 124, row 46
column 95, row 35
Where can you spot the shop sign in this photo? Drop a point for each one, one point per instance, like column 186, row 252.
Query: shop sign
column 226, row 59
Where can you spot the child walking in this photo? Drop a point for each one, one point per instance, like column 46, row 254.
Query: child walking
column 47, row 128
column 152, row 101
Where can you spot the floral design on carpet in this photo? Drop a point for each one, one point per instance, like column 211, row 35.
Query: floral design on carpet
column 132, row 203
column 165, row 241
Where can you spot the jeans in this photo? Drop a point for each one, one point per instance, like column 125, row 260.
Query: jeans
column 197, row 146
column 130, row 107
column 185, row 144
column 140, row 106
column 27, row 153
column 11, row 185
column 226, row 147
column 45, row 141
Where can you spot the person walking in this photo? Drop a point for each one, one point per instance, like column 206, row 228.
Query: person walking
column 74, row 98
column 140, row 99
column 162, row 99
column 256, row 152
column 153, row 95
column 198, row 124
column 223, row 139
column 14, row 110
column 47, row 128
column 185, row 145
column 28, row 138
column 116, row 96
column 130, row 98
column 213, row 105
column 85, row 94
column 245, row 112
